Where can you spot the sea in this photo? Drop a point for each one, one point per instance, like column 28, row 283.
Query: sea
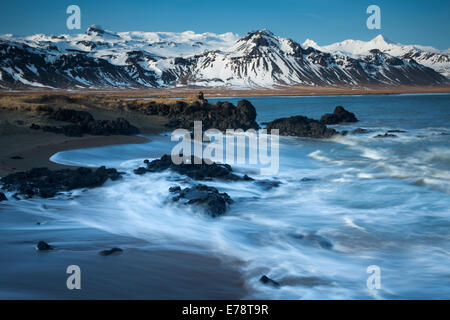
column 350, row 217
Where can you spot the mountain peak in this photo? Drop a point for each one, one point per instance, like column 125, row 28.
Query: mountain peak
column 258, row 34
column 260, row 38
column 310, row 44
column 95, row 29
column 263, row 32
column 380, row 39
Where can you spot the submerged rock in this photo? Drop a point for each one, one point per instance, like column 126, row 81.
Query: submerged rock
column 44, row 246
column 396, row 131
column 305, row 281
column 201, row 171
column 47, row 183
column 267, row 281
column 300, row 126
column 213, row 202
column 340, row 115
column 3, row 197
column 386, row 135
column 322, row 242
column 360, row 131
column 306, row 179
column 113, row 251
column 268, row 184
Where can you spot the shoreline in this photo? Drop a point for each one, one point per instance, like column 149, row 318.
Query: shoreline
column 22, row 148
column 39, row 155
column 221, row 92
column 142, row 271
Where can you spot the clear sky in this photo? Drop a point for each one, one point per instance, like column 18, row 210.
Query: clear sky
column 406, row 21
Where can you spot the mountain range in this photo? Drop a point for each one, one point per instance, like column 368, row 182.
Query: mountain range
column 103, row 59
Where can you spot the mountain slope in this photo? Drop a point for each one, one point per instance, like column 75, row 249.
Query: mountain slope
column 439, row 60
column 101, row 59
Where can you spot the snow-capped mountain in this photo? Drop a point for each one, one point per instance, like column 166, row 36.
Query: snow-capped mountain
column 100, row 58
column 439, row 60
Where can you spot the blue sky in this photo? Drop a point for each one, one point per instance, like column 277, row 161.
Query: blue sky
column 406, row 21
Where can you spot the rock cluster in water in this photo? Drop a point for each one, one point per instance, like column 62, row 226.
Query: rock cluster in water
column 82, row 122
column 300, row 126
column 340, row 115
column 202, row 171
column 213, row 202
column 46, row 183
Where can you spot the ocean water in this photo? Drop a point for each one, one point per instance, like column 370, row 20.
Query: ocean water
column 343, row 204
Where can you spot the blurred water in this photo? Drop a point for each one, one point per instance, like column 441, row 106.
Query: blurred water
column 343, row 204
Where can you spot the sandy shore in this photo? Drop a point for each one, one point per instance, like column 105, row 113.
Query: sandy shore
column 182, row 92
column 142, row 271
column 34, row 150
column 22, row 148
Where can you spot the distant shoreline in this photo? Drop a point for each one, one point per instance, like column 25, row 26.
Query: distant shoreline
column 222, row 92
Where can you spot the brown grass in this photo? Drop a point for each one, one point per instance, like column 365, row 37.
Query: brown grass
column 188, row 93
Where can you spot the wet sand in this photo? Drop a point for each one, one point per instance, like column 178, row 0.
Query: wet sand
column 140, row 272
column 33, row 150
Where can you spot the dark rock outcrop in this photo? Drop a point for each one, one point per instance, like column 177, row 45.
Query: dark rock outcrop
column 267, row 281
column 44, row 246
column 214, row 203
column 300, row 126
column 340, row 115
column 3, row 197
column 113, row 251
column 82, row 122
column 45, row 183
column 201, row 171
column 221, row 116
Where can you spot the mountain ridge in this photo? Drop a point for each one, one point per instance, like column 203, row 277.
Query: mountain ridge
column 437, row 59
column 100, row 58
